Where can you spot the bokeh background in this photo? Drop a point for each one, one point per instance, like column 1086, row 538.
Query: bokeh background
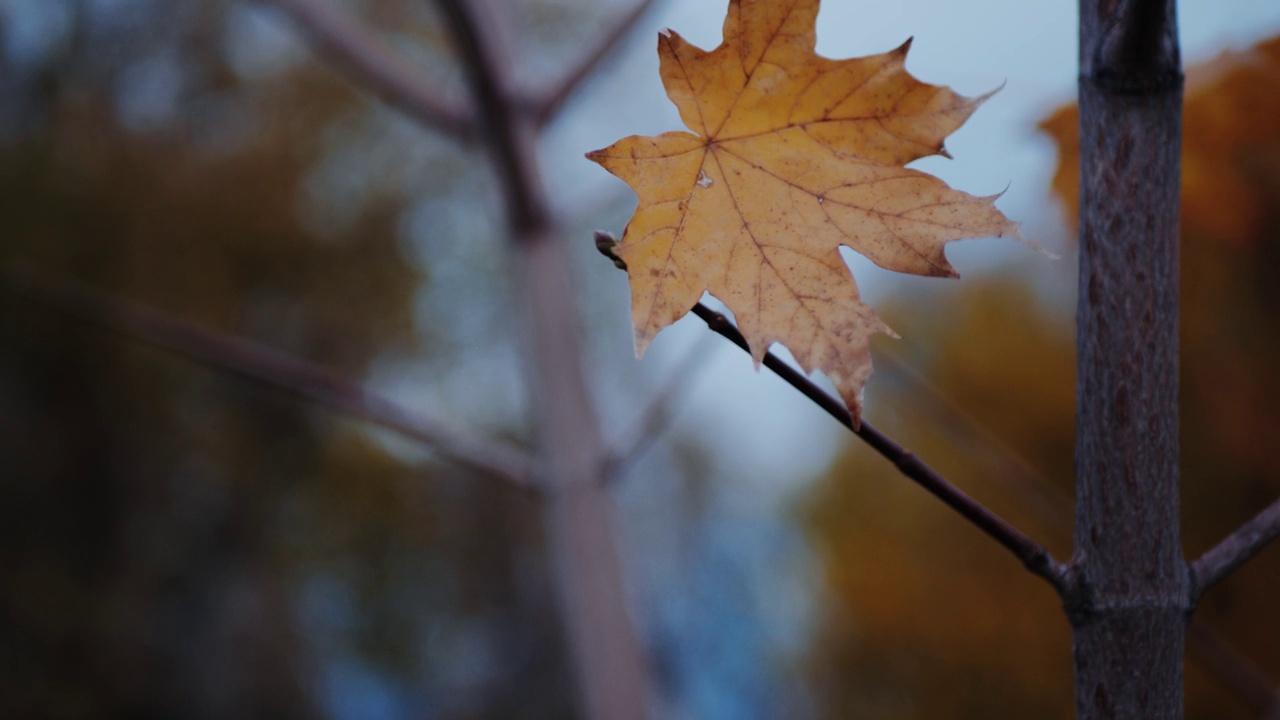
column 178, row 543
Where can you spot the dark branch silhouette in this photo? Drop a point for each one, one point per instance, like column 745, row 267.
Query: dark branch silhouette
column 1033, row 555
column 1235, row 550
column 377, row 68
column 268, row 367
column 1049, row 504
column 1133, row 57
column 548, row 106
column 1037, row 559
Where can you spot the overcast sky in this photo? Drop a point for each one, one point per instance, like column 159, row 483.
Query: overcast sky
column 770, row 434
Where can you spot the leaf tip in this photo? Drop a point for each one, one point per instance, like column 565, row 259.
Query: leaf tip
column 851, row 392
column 904, row 47
column 987, row 95
column 940, row 266
column 642, row 339
column 1016, row 234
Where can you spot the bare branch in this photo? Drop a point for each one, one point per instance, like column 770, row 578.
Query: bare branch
column 1218, row 657
column 547, row 107
column 507, row 132
column 376, row 67
column 1232, row 552
column 1034, row 556
column 1208, row 649
column 656, row 415
column 1037, row 559
column 1007, row 467
column 268, row 367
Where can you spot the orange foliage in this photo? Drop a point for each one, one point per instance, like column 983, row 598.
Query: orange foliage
column 1229, row 144
column 930, row 619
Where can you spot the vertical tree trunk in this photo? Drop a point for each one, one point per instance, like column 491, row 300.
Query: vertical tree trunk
column 1131, row 601
column 602, row 642
column 605, row 653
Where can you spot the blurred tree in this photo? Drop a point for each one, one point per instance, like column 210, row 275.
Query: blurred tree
column 177, row 543
column 991, row 644
column 1001, row 367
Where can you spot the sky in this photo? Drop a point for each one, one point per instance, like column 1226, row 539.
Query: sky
column 770, row 439
column 767, row 436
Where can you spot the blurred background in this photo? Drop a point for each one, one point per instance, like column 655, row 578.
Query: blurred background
column 177, row 542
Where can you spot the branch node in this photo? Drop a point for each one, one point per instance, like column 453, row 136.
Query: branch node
column 267, row 367
column 377, row 68
column 605, row 243
column 1137, row 53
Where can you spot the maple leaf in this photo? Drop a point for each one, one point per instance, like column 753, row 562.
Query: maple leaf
column 792, row 156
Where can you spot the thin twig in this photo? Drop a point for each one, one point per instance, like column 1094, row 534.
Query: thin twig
column 546, row 108
column 1232, row 552
column 1034, row 556
column 1219, row 657
column 1007, row 467
column 268, row 367
column 1210, row 651
column 1037, row 559
column 1240, row 675
column 376, row 67
column 656, row 415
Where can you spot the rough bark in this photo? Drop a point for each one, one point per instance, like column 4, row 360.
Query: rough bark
column 1131, row 599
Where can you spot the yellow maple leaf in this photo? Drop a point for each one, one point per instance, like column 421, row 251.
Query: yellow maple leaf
column 794, row 155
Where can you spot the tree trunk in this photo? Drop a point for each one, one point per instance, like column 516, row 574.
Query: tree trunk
column 605, row 654
column 1132, row 600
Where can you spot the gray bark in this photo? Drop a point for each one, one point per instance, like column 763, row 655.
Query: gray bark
column 1131, row 597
